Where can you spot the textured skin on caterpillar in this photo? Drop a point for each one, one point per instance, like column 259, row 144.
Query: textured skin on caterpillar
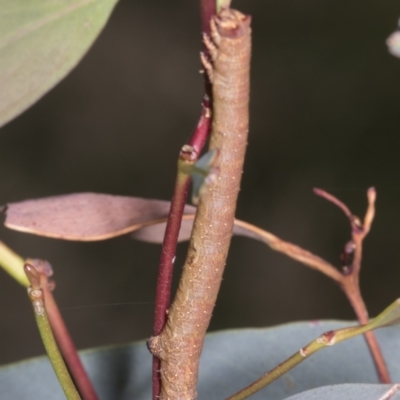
column 180, row 344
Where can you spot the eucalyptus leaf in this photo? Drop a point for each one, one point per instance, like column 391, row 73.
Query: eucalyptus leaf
column 97, row 216
column 86, row 216
column 389, row 316
column 41, row 41
column 231, row 360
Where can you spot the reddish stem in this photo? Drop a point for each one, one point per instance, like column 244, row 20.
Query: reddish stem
column 351, row 288
column 200, row 135
column 349, row 281
column 334, row 200
column 168, row 252
column 38, row 272
column 66, row 345
column 207, row 10
column 163, row 290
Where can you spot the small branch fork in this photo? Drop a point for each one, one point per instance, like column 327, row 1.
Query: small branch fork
column 348, row 277
column 188, row 155
column 351, row 263
column 35, row 275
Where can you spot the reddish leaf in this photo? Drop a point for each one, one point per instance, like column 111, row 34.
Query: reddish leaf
column 87, row 216
column 94, row 216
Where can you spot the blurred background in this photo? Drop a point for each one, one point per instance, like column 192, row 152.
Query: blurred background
column 324, row 113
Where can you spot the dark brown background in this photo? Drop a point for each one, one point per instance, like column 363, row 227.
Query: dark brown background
column 324, row 112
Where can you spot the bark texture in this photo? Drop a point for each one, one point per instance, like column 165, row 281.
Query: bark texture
column 179, row 345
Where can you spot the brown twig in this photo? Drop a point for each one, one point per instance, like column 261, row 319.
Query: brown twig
column 179, row 345
column 352, row 291
column 291, row 250
column 348, row 278
column 61, row 334
column 351, row 260
column 334, row 200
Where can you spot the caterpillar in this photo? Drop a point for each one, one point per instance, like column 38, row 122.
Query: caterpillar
column 180, row 344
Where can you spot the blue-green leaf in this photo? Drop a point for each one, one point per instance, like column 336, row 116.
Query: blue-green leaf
column 231, row 360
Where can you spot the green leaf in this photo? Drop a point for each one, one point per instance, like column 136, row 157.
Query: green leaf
column 40, row 42
column 231, row 360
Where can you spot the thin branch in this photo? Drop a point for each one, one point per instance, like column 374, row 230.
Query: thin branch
column 36, row 296
column 200, row 135
column 353, row 293
column 60, row 331
column 370, row 213
column 349, row 281
column 351, row 258
column 168, row 252
column 334, row 200
column 287, row 248
column 165, row 272
column 188, row 155
column 13, row 264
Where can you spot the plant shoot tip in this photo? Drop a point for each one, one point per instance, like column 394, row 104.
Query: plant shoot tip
column 371, row 193
column 317, row 191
